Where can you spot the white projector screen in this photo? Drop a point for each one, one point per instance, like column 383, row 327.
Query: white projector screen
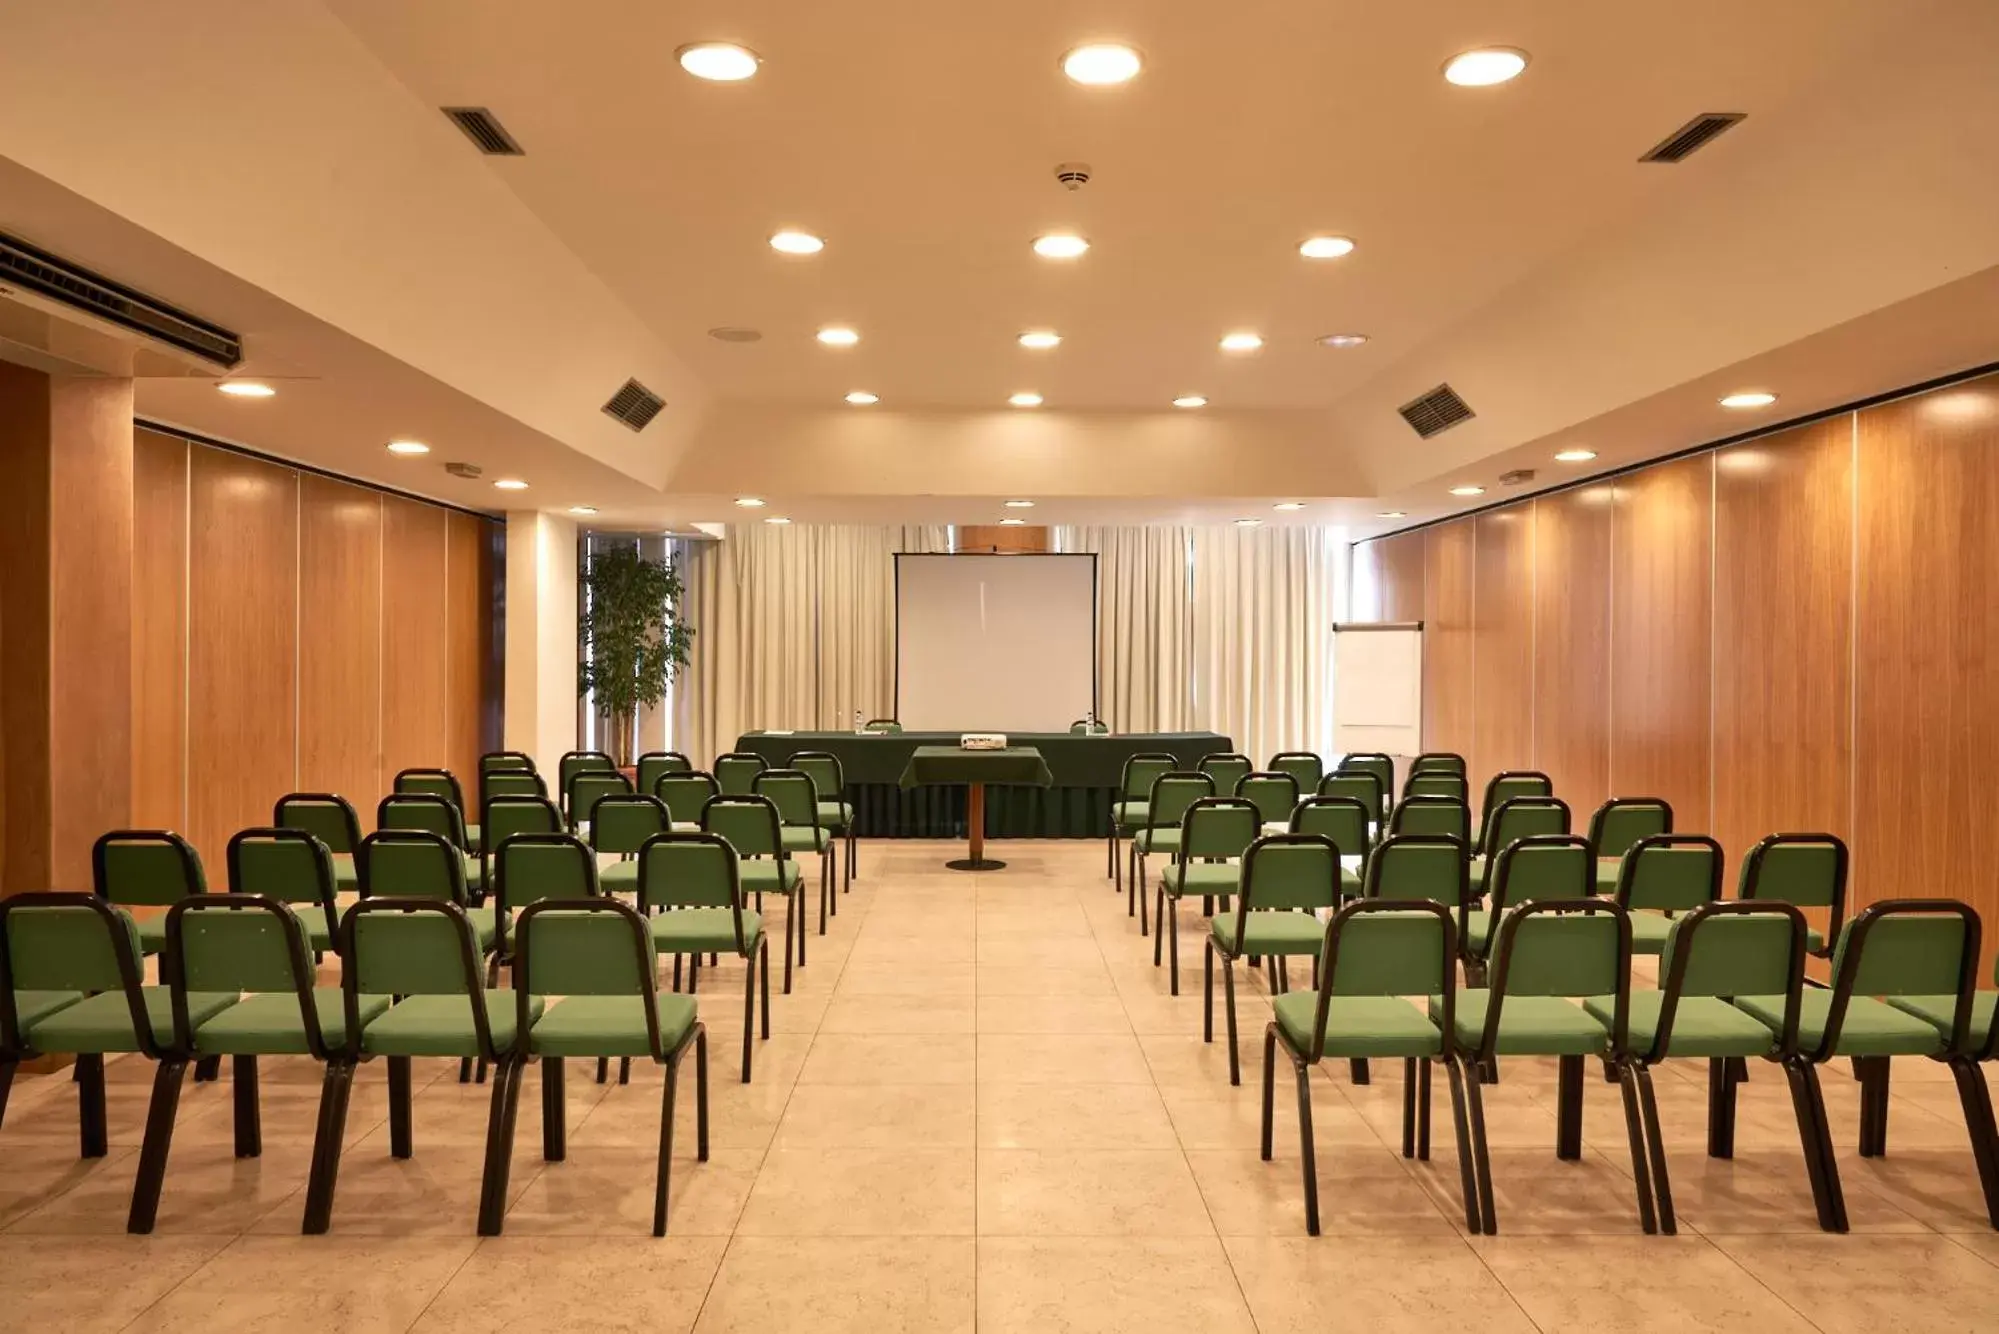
column 995, row 643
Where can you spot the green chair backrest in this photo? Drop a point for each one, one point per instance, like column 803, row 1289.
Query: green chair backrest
column 1218, row 827
column 1285, row 871
column 326, row 816
column 792, row 793
column 432, row 782
column 685, row 794
column 528, row 868
column 1522, row 817
column 592, row 948
column 1378, row 947
column 1362, row 786
column 1341, row 819
column 1447, row 817
column 1227, row 769
column 505, row 817
column 1084, row 727
column 737, row 772
column 510, row 783
column 432, row 815
column 410, row 864
column 68, row 942
column 829, row 782
column 1806, row 869
column 589, row 786
column 1141, row 771
column 1274, row 795
column 1572, row 947
column 1504, row 786
column 1416, row 868
column 1438, row 762
column 1908, row 947
column 1735, row 949
column 1302, row 765
column 656, row 762
column 1622, row 821
column 1437, row 783
column 1372, row 762
column 1172, row 793
column 506, row 761
column 410, row 947
column 749, row 823
column 1670, row 873
column 579, row 761
column 145, row 866
column 883, row 725
column 283, row 865
column 688, row 871
column 237, row 942
column 1541, row 867
column 621, row 822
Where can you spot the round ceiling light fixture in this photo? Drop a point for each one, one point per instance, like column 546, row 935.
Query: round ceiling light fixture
column 796, row 243
column 1060, row 245
column 582, row 509
column 408, row 447
column 777, row 519
column 1040, row 339
column 1020, row 504
column 861, row 398
column 1342, row 340
column 1749, row 398
column 1190, row 401
column 1325, row 247
column 838, row 335
column 511, row 484
column 1289, row 506
column 729, row 333
column 1241, row 341
column 1012, row 523
column 1485, row 66
column 1102, row 63
column 1248, row 523
column 1025, row 399
column 1392, row 514
column 718, row 62
column 246, row 389
column 750, row 502
column 1574, row 455
column 1467, row 490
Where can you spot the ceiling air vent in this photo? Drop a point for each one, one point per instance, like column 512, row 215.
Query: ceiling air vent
column 485, row 130
column 1695, row 134
column 635, row 405
column 62, row 284
column 1438, row 410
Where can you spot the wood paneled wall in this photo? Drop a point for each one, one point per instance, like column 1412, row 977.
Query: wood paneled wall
column 292, row 632
column 1004, row 539
column 1799, row 632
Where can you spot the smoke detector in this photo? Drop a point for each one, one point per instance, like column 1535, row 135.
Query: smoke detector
column 1072, row 175
column 464, row 469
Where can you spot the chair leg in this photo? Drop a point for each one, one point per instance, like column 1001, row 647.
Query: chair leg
column 603, row 1069
column 327, row 1140
column 1408, row 1107
column 400, row 1121
column 1159, row 922
column 663, row 1178
column 1309, row 1162
column 1138, row 881
column 249, row 1123
column 499, row 1145
column 798, row 916
column 1481, row 1157
column 1269, row 1086
column 554, row 1110
column 1872, row 1072
column 1569, row 1108
column 749, row 1011
column 1662, row 1185
column 694, row 973
column 207, row 1069
column 159, row 1142
column 624, row 1070
column 90, row 1117
column 1423, row 1111
column 1173, row 947
column 1816, row 1140
column 1208, row 991
column 825, row 891
column 787, row 957
column 763, row 952
column 1228, row 999
column 701, row 1092
column 1720, row 1108
column 1357, row 1070
column 465, row 1070
column 1467, row 1188
column 1634, row 1130
column 1976, row 1100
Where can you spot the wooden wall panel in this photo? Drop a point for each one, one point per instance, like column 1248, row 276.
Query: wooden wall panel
column 1783, row 592
column 1572, row 644
column 1449, row 661
column 242, row 643
column 416, row 680
column 1660, row 610
column 1388, row 578
column 469, row 617
column 1503, row 647
column 340, row 641
column 159, row 631
column 1927, row 649
column 996, row 539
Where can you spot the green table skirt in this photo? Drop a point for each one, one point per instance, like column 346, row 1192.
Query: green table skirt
column 883, row 810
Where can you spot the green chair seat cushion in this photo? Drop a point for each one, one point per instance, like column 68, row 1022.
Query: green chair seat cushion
column 152, row 932
column 835, row 814
column 1871, row 1028
column 269, row 1024
column 103, row 1023
column 346, row 879
column 610, row 1025
column 485, row 926
column 1359, row 1025
column 804, row 838
column 1528, row 1025
column 758, row 874
column 1130, row 815
column 1478, row 930
column 1203, row 878
column 1288, row 933
column 32, row 1006
column 443, row 1025
column 473, row 839
column 688, row 930
column 1941, row 1011
column 1157, row 840
column 619, row 877
column 1702, row 1025
column 1814, row 940
column 1649, row 931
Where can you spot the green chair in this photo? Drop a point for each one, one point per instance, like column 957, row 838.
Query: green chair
column 1660, row 875
column 736, row 772
column 1275, row 795
column 496, row 761
column 528, row 868
column 797, row 803
column 575, row 762
column 1361, row 785
column 1132, row 801
column 1716, row 951
column 71, row 985
column 1227, row 769
column 1303, row 765
column 685, row 795
column 328, row 817
column 1548, row 954
column 254, row 947
column 432, row 815
column 1419, row 868
column 1436, row 783
column 421, row 864
column 1344, row 821
column 291, row 867
column 888, row 726
column 1503, row 787
column 1375, row 953
column 1971, row 1043
column 836, row 813
column 751, row 827
column 1619, row 823
column 620, row 823
column 656, row 762
column 1089, row 727
column 146, row 868
column 1534, row 868
column 586, row 788
column 595, row 954
column 692, row 896
column 1170, row 796
column 1438, row 762
column 1372, row 762
column 1516, row 819
column 425, row 952
column 510, row 783
column 1446, row 817
column 1215, row 834
column 1808, row 870
column 505, row 816
column 439, row 783
column 1285, row 880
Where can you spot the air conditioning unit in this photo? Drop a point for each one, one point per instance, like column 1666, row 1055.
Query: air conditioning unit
column 63, row 319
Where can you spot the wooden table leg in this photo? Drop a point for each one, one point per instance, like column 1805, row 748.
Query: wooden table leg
column 975, row 832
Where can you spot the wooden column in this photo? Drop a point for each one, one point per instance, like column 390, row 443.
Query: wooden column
column 65, row 623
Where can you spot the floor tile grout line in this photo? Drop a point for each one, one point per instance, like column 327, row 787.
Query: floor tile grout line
column 210, row 1259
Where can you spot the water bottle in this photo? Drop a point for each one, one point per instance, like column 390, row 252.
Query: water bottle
column 858, row 728
column 1090, row 722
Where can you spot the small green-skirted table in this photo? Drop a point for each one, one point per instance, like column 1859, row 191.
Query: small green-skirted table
column 940, row 766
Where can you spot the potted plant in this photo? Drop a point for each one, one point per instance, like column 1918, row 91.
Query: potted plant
column 633, row 641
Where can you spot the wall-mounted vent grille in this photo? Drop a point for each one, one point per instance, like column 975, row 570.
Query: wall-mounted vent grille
column 1438, row 410
column 483, row 128
column 35, row 270
column 635, row 405
column 1695, row 134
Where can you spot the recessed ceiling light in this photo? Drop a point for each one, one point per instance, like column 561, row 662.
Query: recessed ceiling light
column 860, row 398
column 1190, row 401
column 1020, row 504
column 582, row 509
column 777, row 518
column 719, row 62
column 1750, row 398
column 1012, row 523
column 1289, row 505
column 1248, row 523
column 749, row 502
column 1467, row 490
column 511, row 484
column 1060, row 245
column 838, row 335
column 729, row 333
column 1392, row 514
column 1102, row 63
column 1485, row 66
column 1040, row 339
column 1025, row 400
column 246, row 389
column 1325, row 247
column 1241, row 342
column 1575, row 455
column 1342, row 340
column 408, row 447
column 797, row 243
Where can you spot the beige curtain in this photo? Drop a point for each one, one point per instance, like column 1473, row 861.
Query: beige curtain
column 1262, row 633
column 1144, row 624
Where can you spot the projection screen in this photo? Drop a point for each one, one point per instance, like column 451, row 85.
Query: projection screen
column 995, row 643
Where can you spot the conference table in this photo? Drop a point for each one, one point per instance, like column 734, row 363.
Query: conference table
column 1083, row 776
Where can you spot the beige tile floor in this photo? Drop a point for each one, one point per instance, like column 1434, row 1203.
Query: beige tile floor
column 981, row 1109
